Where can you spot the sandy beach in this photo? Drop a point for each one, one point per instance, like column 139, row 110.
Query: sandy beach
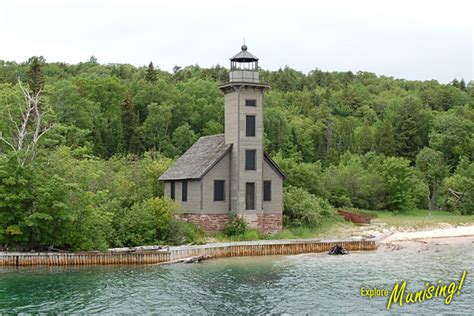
column 445, row 232
column 426, row 239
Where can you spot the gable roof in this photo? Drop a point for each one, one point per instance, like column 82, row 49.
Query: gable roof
column 199, row 159
column 274, row 166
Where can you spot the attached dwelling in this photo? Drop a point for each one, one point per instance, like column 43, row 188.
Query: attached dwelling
column 231, row 172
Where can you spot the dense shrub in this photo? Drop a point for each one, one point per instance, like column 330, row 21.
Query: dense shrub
column 302, row 208
column 179, row 232
column 234, row 226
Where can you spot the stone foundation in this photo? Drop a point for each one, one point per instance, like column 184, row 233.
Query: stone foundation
column 272, row 223
column 211, row 223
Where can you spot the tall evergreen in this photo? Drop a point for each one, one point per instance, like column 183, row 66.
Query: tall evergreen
column 129, row 124
column 462, row 85
column 35, row 75
column 150, row 73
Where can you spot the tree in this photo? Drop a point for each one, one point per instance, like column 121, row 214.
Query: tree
column 156, row 128
column 183, row 138
column 462, row 181
column 411, row 127
column 29, row 129
column 453, row 136
column 434, row 169
column 35, row 75
column 277, row 130
column 130, row 124
column 399, row 180
column 385, row 138
column 364, row 138
column 150, row 73
column 462, row 85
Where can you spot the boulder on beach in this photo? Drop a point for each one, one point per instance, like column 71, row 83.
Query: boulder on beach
column 338, row 250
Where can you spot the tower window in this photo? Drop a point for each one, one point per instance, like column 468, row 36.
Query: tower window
column 184, row 191
column 219, row 190
column 172, row 189
column 250, row 125
column 250, row 159
column 267, row 190
column 249, row 196
column 251, row 102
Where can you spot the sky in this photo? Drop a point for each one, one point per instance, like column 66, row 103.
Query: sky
column 414, row 40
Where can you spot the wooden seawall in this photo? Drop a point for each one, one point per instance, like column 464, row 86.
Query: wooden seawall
column 215, row 250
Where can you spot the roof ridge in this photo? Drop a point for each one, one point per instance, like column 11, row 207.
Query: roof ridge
column 206, row 136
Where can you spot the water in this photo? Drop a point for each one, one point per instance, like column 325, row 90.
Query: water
column 302, row 284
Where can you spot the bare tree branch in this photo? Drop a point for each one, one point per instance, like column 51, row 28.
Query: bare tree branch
column 30, row 129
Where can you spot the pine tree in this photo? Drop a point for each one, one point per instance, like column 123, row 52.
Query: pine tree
column 150, row 73
column 35, row 75
column 462, row 85
column 455, row 83
column 129, row 124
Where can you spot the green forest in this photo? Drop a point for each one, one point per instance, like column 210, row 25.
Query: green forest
column 82, row 147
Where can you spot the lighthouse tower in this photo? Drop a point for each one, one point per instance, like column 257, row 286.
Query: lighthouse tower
column 243, row 102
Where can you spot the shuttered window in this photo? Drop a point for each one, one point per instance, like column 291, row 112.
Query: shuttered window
column 219, row 190
column 251, row 102
column 172, row 193
column 184, row 191
column 267, row 190
column 250, row 159
column 250, row 125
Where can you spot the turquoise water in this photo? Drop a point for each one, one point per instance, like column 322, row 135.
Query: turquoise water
column 302, row 284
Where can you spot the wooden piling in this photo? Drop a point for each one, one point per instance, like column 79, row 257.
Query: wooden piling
column 236, row 249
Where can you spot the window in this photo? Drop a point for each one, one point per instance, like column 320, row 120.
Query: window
column 250, row 196
column 172, row 190
column 250, row 159
column 219, row 190
column 250, row 125
column 184, row 191
column 267, row 190
column 251, row 102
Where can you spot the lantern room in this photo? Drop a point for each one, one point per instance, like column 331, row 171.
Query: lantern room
column 244, row 67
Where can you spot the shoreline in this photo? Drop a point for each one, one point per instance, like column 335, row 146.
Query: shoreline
column 386, row 240
column 433, row 233
column 217, row 250
column 427, row 239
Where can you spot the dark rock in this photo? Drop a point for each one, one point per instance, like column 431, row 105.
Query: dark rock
column 338, row 250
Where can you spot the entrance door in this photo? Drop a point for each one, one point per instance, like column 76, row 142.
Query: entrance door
column 250, row 196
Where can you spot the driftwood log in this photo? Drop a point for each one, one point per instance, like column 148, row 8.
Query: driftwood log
column 185, row 260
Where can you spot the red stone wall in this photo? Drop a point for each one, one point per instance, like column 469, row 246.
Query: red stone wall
column 211, row 223
column 268, row 223
column 271, row 223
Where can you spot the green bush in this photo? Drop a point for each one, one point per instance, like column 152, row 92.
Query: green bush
column 180, row 232
column 234, row 226
column 302, row 208
column 250, row 235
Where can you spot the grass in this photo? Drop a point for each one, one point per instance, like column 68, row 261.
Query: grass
column 329, row 227
column 419, row 218
column 337, row 227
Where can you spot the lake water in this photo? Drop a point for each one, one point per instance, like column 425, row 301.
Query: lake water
column 302, row 284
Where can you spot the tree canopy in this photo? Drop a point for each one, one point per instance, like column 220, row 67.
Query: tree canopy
column 344, row 139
